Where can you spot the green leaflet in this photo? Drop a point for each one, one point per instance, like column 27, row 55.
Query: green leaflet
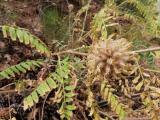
column 118, row 109
column 19, row 68
column 29, row 102
column 69, row 99
column 69, row 88
column 4, row 30
column 26, row 66
column 36, row 63
column 3, row 75
column 10, row 72
column 113, row 99
column 139, row 85
column 69, row 94
column 25, row 37
column 51, row 83
column 20, row 35
column 68, row 113
column 12, row 33
column 109, row 97
column 71, row 107
column 15, row 70
column 62, row 95
column 32, row 41
column 106, row 90
column 45, row 86
column 122, row 114
column 35, row 96
column 58, row 77
column 40, row 90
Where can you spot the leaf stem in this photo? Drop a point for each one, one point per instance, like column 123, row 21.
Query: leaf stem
column 70, row 52
column 146, row 50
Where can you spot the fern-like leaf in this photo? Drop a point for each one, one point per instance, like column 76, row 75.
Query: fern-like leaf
column 23, row 36
column 116, row 106
column 145, row 13
column 20, row 68
column 66, row 109
column 93, row 106
column 47, row 85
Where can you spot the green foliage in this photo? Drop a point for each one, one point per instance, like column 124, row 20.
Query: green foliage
column 136, row 21
column 143, row 12
column 20, row 68
column 66, row 89
column 64, row 95
column 46, row 86
column 55, row 26
column 50, row 17
column 59, row 80
column 147, row 56
column 50, row 21
column 130, row 18
column 119, row 75
column 99, row 24
column 23, row 36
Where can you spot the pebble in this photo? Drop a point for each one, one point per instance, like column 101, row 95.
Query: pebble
column 2, row 45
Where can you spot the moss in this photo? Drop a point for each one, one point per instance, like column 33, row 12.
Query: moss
column 50, row 22
column 54, row 25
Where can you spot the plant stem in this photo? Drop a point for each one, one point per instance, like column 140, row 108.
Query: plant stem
column 12, row 91
column 84, row 21
column 105, row 114
column 146, row 50
column 70, row 52
column 150, row 70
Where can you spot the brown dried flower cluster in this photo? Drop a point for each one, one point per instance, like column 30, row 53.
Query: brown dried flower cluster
column 110, row 58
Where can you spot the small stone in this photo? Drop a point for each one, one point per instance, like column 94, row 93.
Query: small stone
column 2, row 45
column 3, row 66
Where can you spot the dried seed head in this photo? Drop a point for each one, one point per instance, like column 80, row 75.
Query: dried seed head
column 110, row 58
